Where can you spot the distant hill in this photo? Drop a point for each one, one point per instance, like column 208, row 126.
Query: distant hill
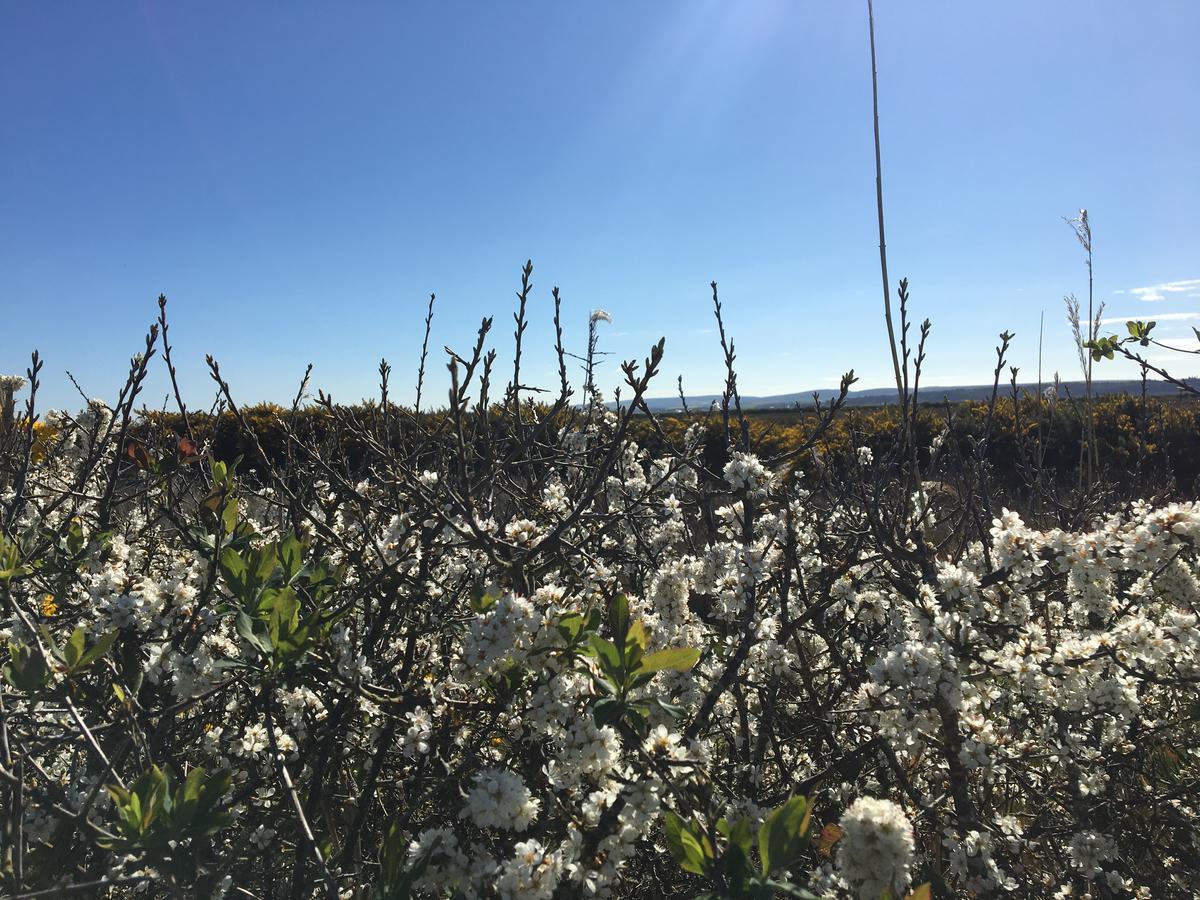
column 934, row 394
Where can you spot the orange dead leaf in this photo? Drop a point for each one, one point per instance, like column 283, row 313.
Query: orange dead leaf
column 829, row 836
column 189, row 450
column 138, row 453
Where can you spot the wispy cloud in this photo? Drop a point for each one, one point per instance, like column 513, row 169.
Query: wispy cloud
column 1159, row 317
column 1189, row 287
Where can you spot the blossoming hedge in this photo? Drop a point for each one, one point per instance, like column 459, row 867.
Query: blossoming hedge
column 520, row 656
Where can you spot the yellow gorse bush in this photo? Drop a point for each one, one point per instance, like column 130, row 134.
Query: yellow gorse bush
column 44, row 436
column 1159, row 434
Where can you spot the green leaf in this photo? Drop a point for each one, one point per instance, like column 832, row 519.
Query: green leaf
column 679, row 659
column 635, row 715
column 284, row 614
column 262, row 562
column 607, row 710
column 73, row 649
column 783, row 835
column 737, row 857
column 97, row 650
column 10, row 560
column 741, row 835
column 737, row 867
column 208, row 820
column 229, row 514
column 570, row 625
column 131, row 813
column 391, row 854
column 618, row 619
column 686, row 842
column 640, row 679
column 609, row 658
column 295, row 644
column 146, row 797
column 673, row 828
column 291, row 558
column 481, row 600
column 190, row 791
column 187, row 798
column 245, row 628
column 26, row 670
column 235, row 570
column 191, row 811
column 673, row 710
column 75, row 538
column 637, row 635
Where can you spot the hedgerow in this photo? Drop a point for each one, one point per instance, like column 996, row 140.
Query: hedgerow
column 509, row 649
column 1150, row 437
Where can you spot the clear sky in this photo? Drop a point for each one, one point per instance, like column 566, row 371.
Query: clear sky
column 298, row 177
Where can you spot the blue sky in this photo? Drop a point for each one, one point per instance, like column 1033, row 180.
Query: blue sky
column 298, row 177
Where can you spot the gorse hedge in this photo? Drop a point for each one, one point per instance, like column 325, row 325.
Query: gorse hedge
column 1151, row 438
column 519, row 651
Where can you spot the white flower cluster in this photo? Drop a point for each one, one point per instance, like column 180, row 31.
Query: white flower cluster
column 531, row 874
column 876, row 852
column 744, row 471
column 502, row 636
column 420, row 730
column 500, row 799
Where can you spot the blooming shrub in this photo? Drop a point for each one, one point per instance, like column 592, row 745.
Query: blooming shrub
column 523, row 657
